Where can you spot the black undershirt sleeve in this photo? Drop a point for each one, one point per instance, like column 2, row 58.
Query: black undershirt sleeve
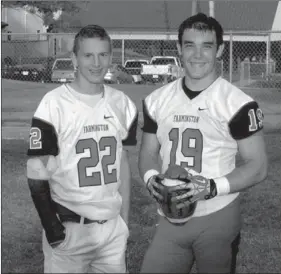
column 247, row 121
column 43, row 139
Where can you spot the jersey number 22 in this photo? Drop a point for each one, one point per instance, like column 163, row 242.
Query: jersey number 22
column 94, row 159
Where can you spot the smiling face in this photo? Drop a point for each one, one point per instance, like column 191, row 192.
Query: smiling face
column 199, row 52
column 92, row 59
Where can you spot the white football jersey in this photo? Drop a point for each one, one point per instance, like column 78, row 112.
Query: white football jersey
column 201, row 133
column 87, row 143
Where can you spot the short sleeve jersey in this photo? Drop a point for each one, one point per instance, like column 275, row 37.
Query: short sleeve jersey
column 87, row 143
column 201, row 133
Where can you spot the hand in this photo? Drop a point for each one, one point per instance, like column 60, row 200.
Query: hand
column 155, row 187
column 174, row 206
column 55, row 234
column 197, row 189
column 57, row 243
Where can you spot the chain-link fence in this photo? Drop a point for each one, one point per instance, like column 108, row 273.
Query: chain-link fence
column 251, row 59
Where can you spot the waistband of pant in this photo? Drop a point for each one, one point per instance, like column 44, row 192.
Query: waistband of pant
column 67, row 215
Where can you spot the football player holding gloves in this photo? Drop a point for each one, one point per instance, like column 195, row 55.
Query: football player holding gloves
column 195, row 126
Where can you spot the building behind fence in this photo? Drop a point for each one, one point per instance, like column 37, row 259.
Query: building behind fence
column 250, row 59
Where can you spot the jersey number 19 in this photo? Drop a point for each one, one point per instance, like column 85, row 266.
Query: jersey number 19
column 191, row 147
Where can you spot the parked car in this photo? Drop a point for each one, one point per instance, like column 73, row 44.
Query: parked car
column 38, row 69
column 7, row 71
column 16, row 72
column 117, row 74
column 134, row 68
column 162, row 68
column 7, row 65
column 63, row 70
column 45, row 74
column 28, row 72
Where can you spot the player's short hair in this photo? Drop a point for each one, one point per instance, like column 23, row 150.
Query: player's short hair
column 201, row 22
column 90, row 31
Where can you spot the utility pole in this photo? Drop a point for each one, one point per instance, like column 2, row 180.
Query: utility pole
column 212, row 9
column 167, row 26
column 194, row 7
column 166, row 15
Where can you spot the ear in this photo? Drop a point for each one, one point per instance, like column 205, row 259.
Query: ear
column 179, row 49
column 111, row 57
column 110, row 51
column 220, row 51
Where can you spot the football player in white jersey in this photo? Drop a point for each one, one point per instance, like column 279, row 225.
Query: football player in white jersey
column 200, row 122
column 78, row 171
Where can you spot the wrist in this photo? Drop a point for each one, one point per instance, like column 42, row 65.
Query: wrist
column 222, row 186
column 148, row 175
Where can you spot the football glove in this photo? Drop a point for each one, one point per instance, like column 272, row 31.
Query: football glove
column 195, row 187
column 160, row 187
column 172, row 207
column 156, row 188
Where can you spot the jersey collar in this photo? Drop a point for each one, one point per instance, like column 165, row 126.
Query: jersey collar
column 188, row 92
column 193, row 94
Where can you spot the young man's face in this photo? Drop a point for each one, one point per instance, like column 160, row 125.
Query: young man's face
column 199, row 52
column 93, row 59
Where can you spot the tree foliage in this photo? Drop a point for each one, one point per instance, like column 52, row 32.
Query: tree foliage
column 46, row 9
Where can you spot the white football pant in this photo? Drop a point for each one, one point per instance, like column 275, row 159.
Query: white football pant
column 89, row 248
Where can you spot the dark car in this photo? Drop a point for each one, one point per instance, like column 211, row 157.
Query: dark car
column 37, row 70
column 46, row 72
column 28, row 72
column 6, row 71
column 7, row 65
column 15, row 72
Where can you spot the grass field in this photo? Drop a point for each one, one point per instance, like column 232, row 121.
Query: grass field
column 260, row 250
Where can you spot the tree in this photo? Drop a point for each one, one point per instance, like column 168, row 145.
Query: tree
column 46, row 9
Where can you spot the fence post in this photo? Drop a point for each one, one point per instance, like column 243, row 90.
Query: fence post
column 49, row 44
column 230, row 57
column 242, row 73
column 123, row 52
column 267, row 54
column 55, row 46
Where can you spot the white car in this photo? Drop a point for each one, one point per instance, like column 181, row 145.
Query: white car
column 161, row 69
column 134, row 68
